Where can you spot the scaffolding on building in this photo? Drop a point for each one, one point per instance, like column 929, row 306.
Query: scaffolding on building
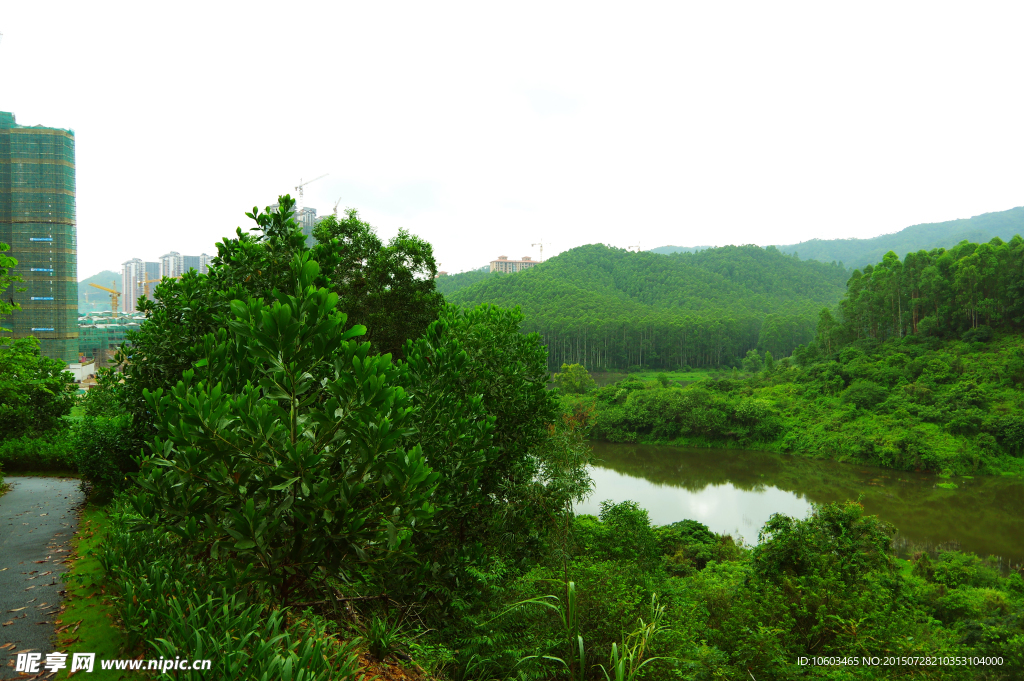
column 37, row 220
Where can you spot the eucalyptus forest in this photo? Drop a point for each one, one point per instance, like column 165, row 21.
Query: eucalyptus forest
column 325, row 463
column 609, row 308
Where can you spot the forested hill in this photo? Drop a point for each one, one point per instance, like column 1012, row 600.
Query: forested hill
column 616, row 308
column 860, row 252
column 448, row 284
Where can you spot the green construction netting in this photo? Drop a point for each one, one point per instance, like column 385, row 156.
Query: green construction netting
column 37, row 220
column 92, row 339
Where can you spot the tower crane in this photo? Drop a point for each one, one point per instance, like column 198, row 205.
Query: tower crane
column 336, row 206
column 145, row 285
column 115, row 295
column 541, row 244
column 303, row 184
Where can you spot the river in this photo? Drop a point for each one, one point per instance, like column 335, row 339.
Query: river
column 736, row 491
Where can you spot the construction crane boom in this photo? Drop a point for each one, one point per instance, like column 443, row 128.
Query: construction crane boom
column 303, row 184
column 541, row 244
column 115, row 295
column 145, row 285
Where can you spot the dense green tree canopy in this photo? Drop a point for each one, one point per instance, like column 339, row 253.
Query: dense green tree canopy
column 389, row 288
column 939, row 292
column 35, row 391
column 574, row 378
column 448, row 284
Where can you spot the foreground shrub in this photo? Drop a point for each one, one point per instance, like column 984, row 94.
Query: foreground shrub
column 103, row 451
column 168, row 606
column 35, row 391
column 283, row 453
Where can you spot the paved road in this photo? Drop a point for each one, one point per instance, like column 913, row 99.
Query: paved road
column 38, row 517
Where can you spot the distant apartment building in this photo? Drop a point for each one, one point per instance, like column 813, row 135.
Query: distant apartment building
column 172, row 265
column 37, row 220
column 175, row 264
column 133, row 274
column 139, row 279
column 307, row 219
column 503, row 264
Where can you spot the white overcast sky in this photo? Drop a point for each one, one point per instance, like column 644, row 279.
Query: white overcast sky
column 486, row 127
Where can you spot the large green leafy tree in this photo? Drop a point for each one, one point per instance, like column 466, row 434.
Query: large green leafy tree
column 256, row 263
column 574, row 379
column 485, row 422
column 35, row 391
column 389, row 288
column 481, row 414
column 286, row 448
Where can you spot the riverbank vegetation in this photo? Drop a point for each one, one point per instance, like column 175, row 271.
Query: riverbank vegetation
column 922, row 367
column 937, row 405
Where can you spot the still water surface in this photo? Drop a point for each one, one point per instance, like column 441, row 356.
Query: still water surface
column 736, row 491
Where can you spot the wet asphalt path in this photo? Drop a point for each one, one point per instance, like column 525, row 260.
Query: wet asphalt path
column 38, row 517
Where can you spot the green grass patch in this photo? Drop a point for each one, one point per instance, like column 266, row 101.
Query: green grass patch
column 89, row 614
column 684, row 376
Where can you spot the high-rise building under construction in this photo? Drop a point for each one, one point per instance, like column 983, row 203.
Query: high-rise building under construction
column 37, row 220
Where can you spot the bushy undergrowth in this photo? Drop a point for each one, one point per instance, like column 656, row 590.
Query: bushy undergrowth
column 909, row 404
column 53, row 452
column 824, row 586
column 104, row 450
column 100, row 448
column 172, row 604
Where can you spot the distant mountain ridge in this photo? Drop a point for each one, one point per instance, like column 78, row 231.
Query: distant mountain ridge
column 855, row 253
column 669, row 250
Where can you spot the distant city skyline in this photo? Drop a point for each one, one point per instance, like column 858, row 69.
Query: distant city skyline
column 140, row 277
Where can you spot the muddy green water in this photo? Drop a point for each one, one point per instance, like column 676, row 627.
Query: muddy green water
column 736, row 491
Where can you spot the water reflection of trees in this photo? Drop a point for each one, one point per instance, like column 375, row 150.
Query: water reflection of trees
column 984, row 515
column 695, row 469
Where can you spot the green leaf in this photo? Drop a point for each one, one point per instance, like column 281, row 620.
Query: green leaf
column 284, row 485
